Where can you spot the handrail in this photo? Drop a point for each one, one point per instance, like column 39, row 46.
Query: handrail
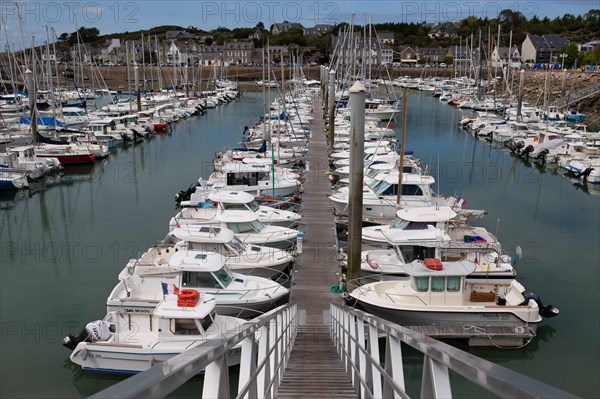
column 356, row 334
column 266, row 343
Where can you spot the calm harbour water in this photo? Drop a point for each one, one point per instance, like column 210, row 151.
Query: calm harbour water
column 63, row 245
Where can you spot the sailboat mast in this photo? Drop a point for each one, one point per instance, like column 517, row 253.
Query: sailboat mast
column 401, row 162
column 49, row 78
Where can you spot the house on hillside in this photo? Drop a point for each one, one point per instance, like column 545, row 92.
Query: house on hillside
column 442, row 30
column 386, row 38
column 501, row 57
column 178, row 35
column 256, row 35
column 317, row 30
column 542, row 49
column 284, row 27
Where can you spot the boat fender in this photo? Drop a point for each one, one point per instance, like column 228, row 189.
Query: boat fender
column 84, row 354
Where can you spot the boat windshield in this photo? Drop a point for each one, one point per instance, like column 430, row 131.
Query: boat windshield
column 200, row 280
column 246, row 227
column 235, row 206
column 224, row 276
column 380, row 187
column 253, row 206
column 236, row 246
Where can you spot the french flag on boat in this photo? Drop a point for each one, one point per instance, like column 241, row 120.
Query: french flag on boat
column 165, row 289
column 461, row 202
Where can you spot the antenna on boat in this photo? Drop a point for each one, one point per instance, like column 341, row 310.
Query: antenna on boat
column 437, row 204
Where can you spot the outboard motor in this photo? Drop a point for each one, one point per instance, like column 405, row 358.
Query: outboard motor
column 94, row 331
column 184, row 195
column 585, row 173
column 542, row 154
column 136, row 134
column 526, row 151
column 545, row 311
column 149, row 130
column 514, row 145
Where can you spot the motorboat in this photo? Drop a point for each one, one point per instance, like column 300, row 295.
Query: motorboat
column 134, row 342
column 380, row 196
column 69, row 154
column 242, row 258
column 12, row 181
column 209, row 202
column 438, row 293
column 255, row 178
column 244, row 223
column 140, row 283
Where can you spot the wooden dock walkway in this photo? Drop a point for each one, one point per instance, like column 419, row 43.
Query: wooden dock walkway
column 315, row 369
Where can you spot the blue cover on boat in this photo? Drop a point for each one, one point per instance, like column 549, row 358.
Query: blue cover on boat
column 47, row 121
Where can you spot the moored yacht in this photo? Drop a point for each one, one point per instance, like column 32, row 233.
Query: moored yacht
column 438, row 293
column 127, row 343
column 140, row 283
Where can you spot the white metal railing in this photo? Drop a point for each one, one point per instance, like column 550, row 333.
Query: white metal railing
column 356, row 335
column 266, row 344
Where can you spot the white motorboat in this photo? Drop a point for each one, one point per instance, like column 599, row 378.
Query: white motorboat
column 12, row 181
column 439, row 293
column 379, row 197
column 209, row 202
column 140, row 283
column 141, row 340
column 587, row 168
column 244, row 224
column 241, row 258
column 255, row 178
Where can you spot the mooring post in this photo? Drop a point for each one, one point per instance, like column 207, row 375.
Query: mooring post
column 357, row 151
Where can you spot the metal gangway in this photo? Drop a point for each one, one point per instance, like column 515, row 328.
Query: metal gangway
column 369, row 350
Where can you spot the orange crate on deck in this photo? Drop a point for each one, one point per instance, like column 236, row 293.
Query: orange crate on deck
column 433, row 263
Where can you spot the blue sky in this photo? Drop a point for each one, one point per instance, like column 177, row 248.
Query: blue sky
column 123, row 15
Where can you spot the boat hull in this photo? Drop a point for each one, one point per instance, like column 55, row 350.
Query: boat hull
column 78, row 159
column 128, row 358
column 489, row 317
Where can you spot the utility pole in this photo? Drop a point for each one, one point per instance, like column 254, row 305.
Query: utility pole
column 357, row 152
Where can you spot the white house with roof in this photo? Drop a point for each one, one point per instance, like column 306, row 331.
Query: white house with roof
column 182, row 53
column 542, row 49
column 589, row 46
column 501, row 57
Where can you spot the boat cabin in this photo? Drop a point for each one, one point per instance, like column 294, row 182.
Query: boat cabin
column 413, row 185
column 210, row 239
column 443, row 283
column 246, row 174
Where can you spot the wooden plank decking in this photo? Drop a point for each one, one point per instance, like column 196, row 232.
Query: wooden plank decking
column 314, row 369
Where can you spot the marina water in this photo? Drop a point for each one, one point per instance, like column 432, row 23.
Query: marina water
column 64, row 243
